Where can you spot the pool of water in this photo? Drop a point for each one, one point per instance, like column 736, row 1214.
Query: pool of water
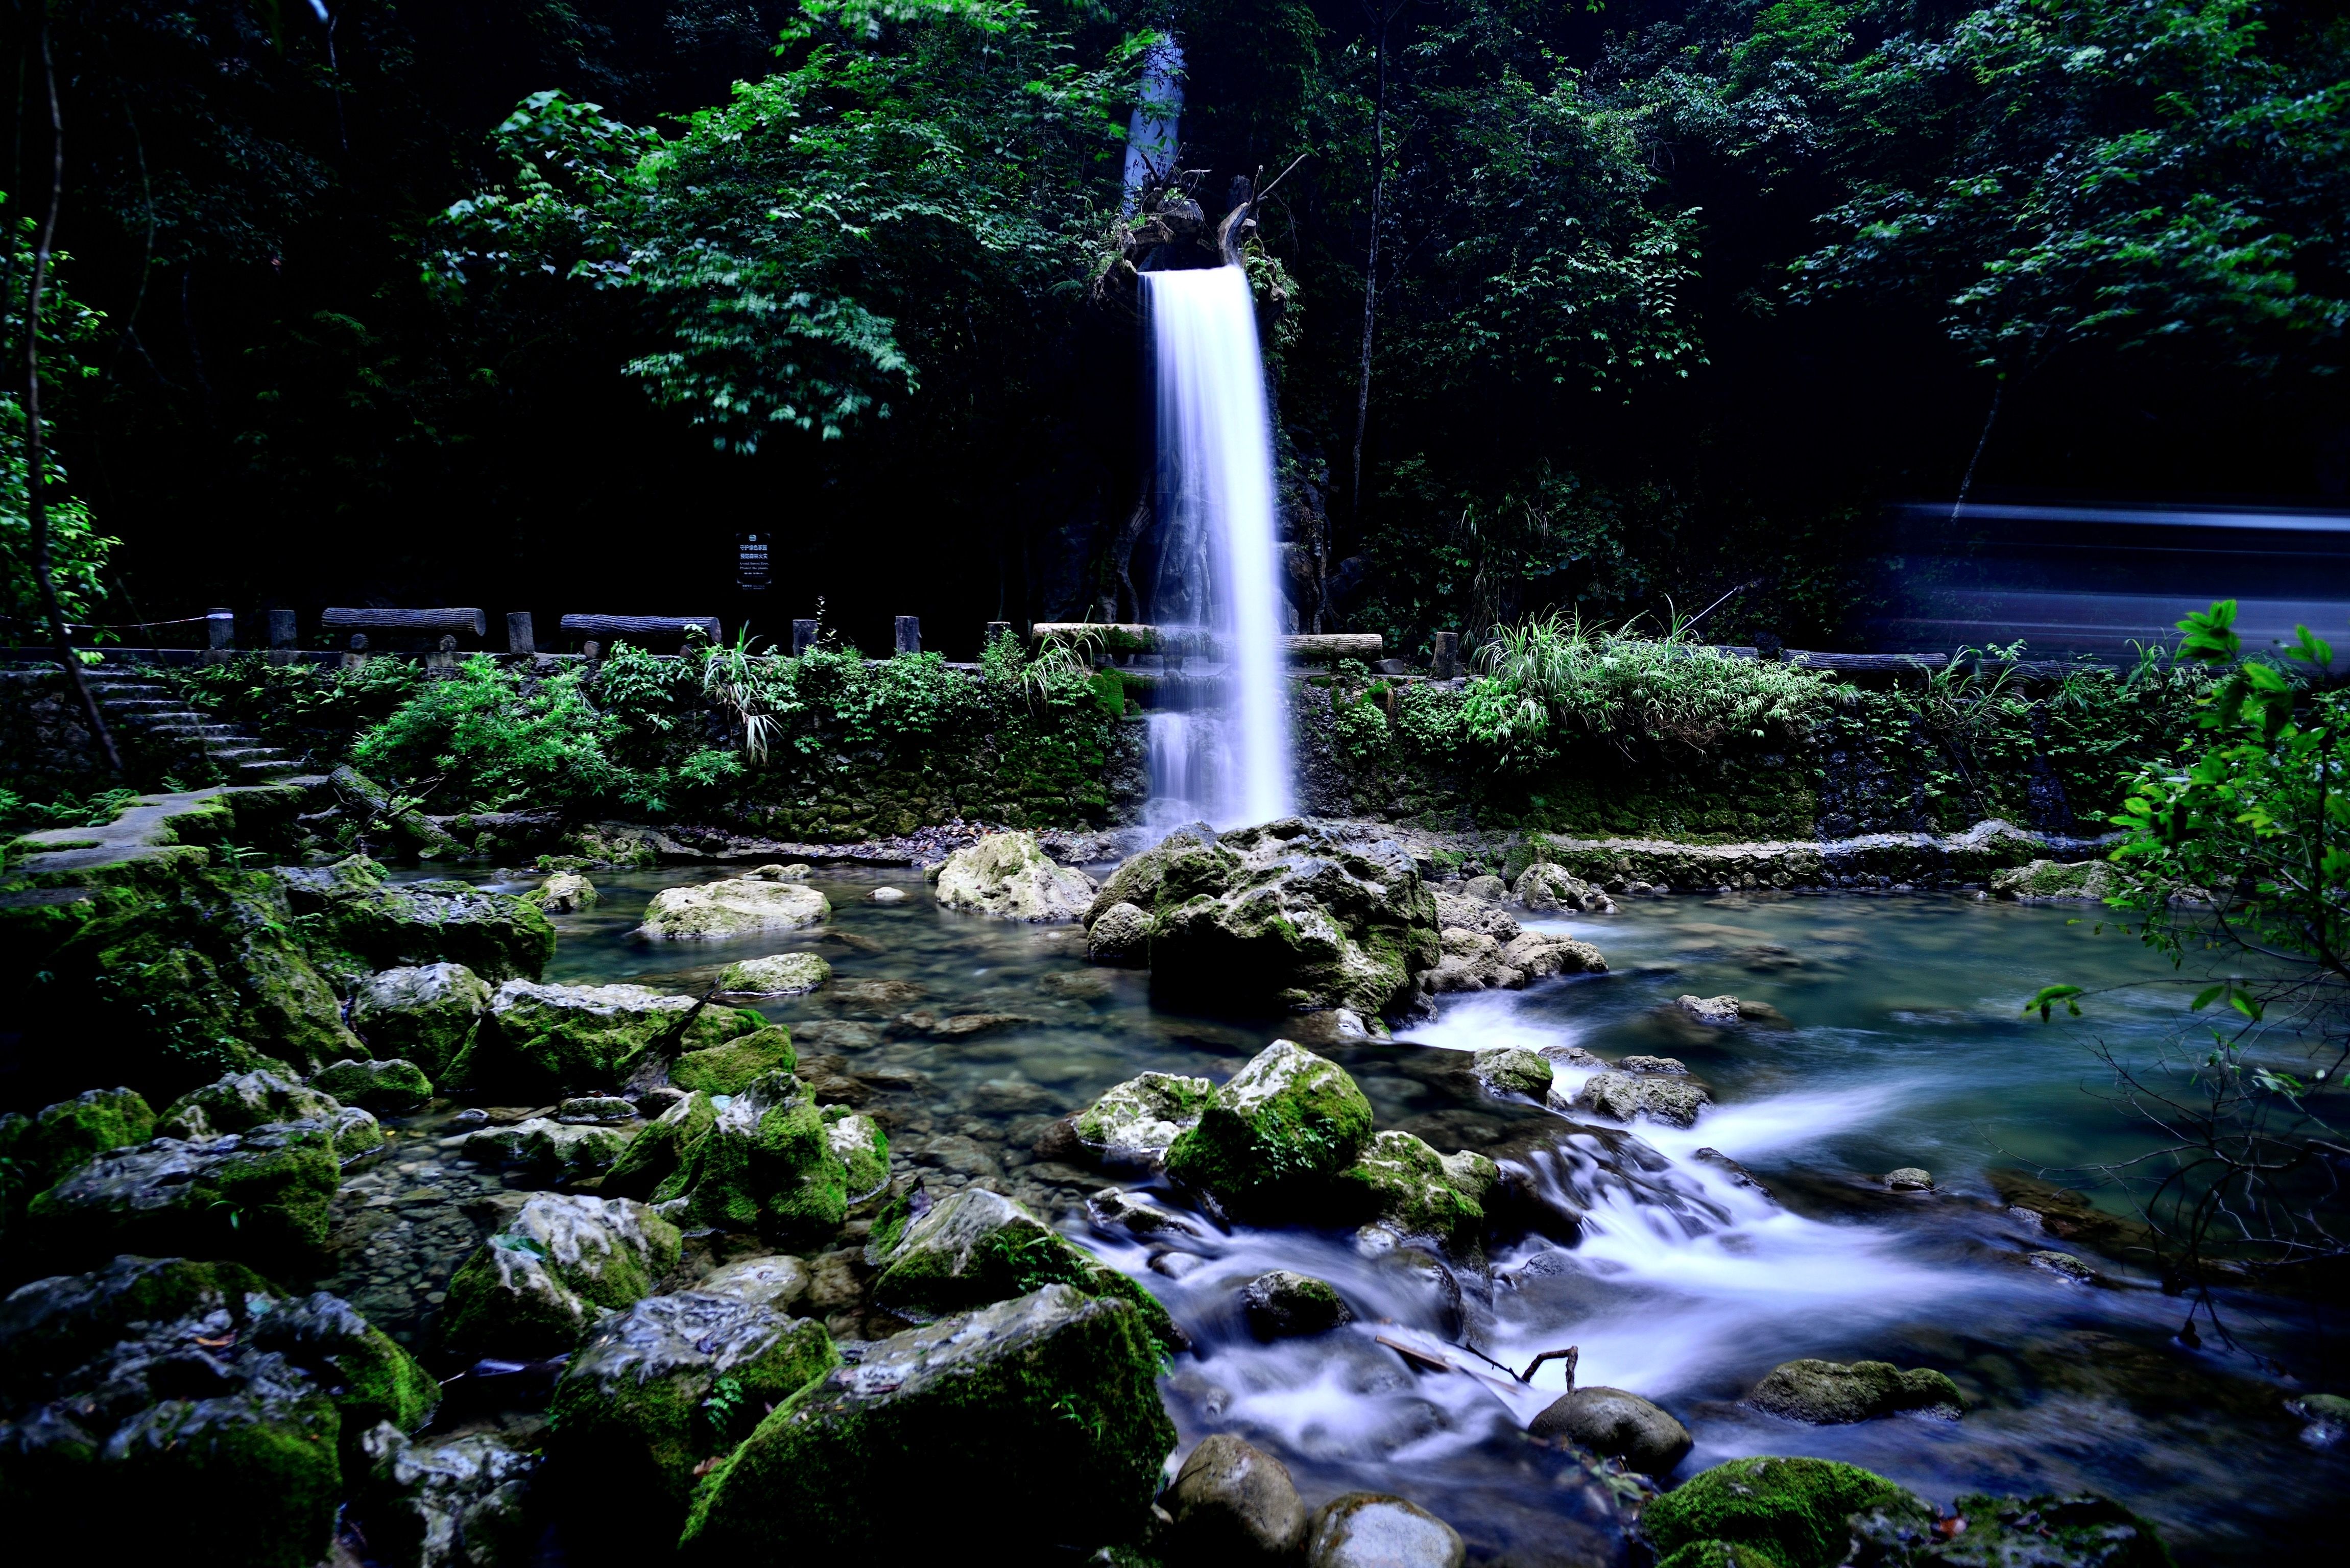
column 1906, row 1045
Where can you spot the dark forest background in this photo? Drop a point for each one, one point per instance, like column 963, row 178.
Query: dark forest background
column 1671, row 296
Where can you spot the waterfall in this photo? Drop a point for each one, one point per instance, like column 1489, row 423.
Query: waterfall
column 1218, row 554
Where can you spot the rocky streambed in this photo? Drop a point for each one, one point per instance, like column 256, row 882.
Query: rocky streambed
column 765, row 1216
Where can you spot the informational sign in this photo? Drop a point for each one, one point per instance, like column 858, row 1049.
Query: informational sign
column 751, row 565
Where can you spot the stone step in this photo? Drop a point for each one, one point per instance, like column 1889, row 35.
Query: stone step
column 274, row 768
column 139, row 704
column 224, row 756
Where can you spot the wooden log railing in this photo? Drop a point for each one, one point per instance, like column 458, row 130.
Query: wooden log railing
column 413, row 620
column 662, row 626
column 1134, row 637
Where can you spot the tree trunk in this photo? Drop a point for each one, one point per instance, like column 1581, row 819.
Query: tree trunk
column 36, row 475
column 1967, row 483
column 1371, row 265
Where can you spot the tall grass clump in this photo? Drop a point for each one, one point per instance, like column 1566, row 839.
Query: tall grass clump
column 1551, row 678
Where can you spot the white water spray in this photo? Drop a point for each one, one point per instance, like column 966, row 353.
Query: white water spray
column 1218, row 551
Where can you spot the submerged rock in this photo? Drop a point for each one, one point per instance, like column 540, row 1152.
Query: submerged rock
column 2064, row 1266
column 391, row 1085
column 427, row 1014
column 1910, row 1179
column 1008, row 876
column 1120, row 935
column 1233, row 1502
column 1830, row 1392
column 1617, row 1425
column 1286, row 1305
column 738, row 907
column 565, row 893
column 1031, row 1425
column 783, row 974
column 534, row 1288
column 730, row 1068
column 1275, row 1135
column 449, row 1502
column 978, row 1247
column 1625, row 1095
column 556, row 1039
column 1369, row 1530
column 665, row 1385
column 200, row 1391
column 1284, row 917
column 1135, row 1123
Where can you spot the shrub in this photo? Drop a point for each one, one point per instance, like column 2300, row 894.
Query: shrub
column 498, row 741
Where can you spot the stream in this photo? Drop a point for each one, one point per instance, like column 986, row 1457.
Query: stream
column 1905, row 1047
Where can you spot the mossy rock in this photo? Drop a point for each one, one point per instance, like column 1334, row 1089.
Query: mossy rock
column 1791, row 1512
column 391, row 1085
column 661, row 1388
column 346, row 914
column 766, row 1163
column 241, row 1101
column 784, row 974
column 59, row 1139
column 1135, row 1123
column 660, row 1147
column 730, row 1068
column 863, row 1151
column 1275, row 1135
column 555, row 1040
column 1033, row 1424
column 978, row 1247
column 262, row 1196
column 534, row 1288
column 254, row 1469
column 1402, row 1183
column 426, row 1014
column 1831, row 1393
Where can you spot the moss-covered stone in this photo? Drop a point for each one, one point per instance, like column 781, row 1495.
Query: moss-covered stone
column 730, row 1068
column 552, row 1150
column 979, row 1246
column 783, row 974
column 261, row 1195
column 863, row 1152
column 659, row 1146
column 737, row 907
column 241, row 1101
column 1009, row 876
column 450, row 1502
column 1276, row 1134
column 1134, row 1122
column 1791, row 1512
column 1402, row 1183
column 766, row 1163
column 61, row 1138
column 426, row 1014
column 659, row 1388
column 1033, row 1424
column 1514, row 1070
column 391, row 1084
column 347, row 915
column 95, row 1406
column 2083, row 880
column 2050, row 1531
column 533, row 1289
column 1831, row 1393
column 562, row 1039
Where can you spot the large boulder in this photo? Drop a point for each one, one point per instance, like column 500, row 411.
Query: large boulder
column 661, row 1388
column 1470, row 960
column 2055, row 881
column 1370, row 1529
column 426, row 1014
column 57, row 1140
column 450, row 1502
column 549, row 1149
column 1009, row 876
column 1455, row 911
column 1402, row 1185
column 1233, row 1502
column 1781, row 1513
column 730, row 1068
column 736, row 908
column 1830, row 1392
column 202, row 1391
column 391, row 1085
column 776, row 1162
column 1133, row 1124
column 536, row 1286
column 1121, row 936
column 1514, row 1070
column 245, row 1102
column 353, row 922
column 1624, row 1096
column 1274, row 1135
column 979, row 1247
column 565, row 893
column 1538, row 955
column 1283, row 917
column 1033, row 1425
column 561, row 1039
column 1615, row 1425
column 262, row 1196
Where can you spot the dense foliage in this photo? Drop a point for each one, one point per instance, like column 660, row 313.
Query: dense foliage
column 1589, row 309
column 77, row 550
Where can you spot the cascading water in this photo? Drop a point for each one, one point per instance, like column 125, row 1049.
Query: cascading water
column 1217, row 554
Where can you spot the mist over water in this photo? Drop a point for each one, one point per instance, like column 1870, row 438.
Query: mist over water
column 1218, row 550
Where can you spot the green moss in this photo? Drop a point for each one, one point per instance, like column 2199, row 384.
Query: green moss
column 730, row 1068
column 1399, row 1180
column 1275, row 1135
column 262, row 1494
column 1792, row 1510
column 779, row 1176
column 381, row 1382
column 67, row 1135
column 659, row 1146
column 1721, row 1554
column 389, row 1086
